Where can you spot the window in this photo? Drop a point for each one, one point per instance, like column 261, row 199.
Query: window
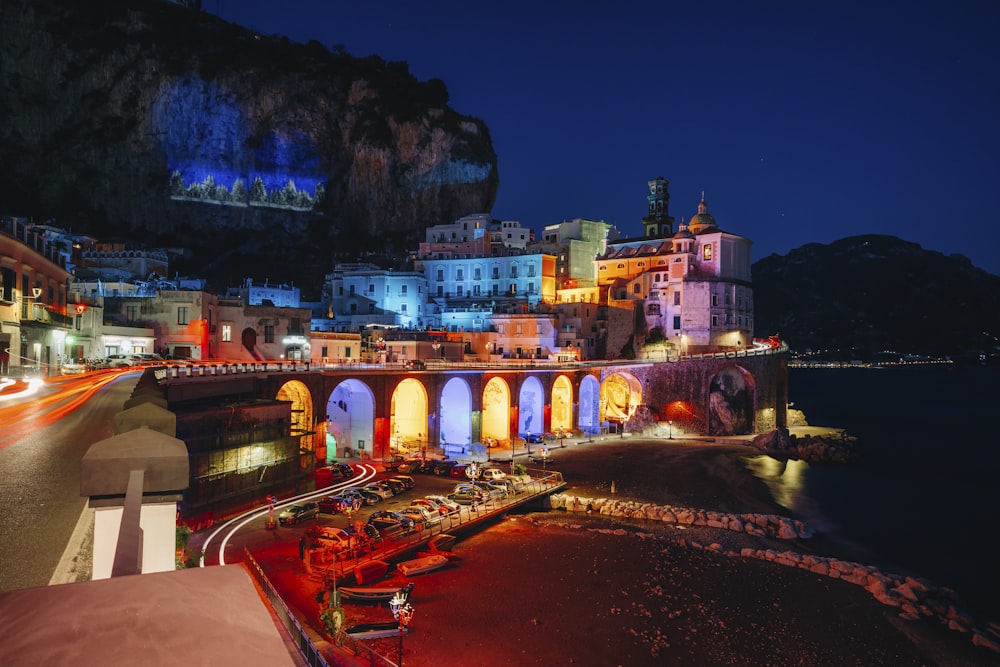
column 517, row 329
column 513, row 271
column 371, row 307
column 460, row 275
column 459, row 291
column 403, row 289
column 227, row 333
column 402, row 308
column 653, row 309
column 371, row 288
column 323, row 352
column 531, row 271
column 268, row 333
column 352, row 290
column 496, row 290
column 715, row 300
column 706, row 252
column 440, row 275
column 496, row 273
column 677, row 298
column 182, row 314
column 440, row 290
column 477, row 274
column 715, row 320
column 131, row 313
column 475, row 290
column 636, row 288
column 677, row 321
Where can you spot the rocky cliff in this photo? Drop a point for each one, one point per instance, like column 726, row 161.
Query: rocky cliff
column 862, row 296
column 144, row 119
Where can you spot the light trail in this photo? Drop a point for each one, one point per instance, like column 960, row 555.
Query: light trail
column 231, row 527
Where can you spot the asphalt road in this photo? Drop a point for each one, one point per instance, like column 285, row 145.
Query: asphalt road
column 40, row 502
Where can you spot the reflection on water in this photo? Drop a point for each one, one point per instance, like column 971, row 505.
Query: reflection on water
column 786, row 479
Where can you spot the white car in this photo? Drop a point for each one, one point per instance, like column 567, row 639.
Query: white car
column 492, row 473
column 422, row 515
column 443, row 503
column 379, row 490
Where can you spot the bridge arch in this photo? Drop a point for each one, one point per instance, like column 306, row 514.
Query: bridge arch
column 531, row 407
column 496, row 410
column 589, row 417
column 731, row 399
column 350, row 416
column 562, row 405
column 455, row 413
column 408, row 417
column 621, row 395
column 301, row 426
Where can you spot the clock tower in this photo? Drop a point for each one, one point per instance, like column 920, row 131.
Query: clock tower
column 658, row 223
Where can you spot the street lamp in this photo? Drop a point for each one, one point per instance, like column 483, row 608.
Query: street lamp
column 473, row 471
column 402, row 611
column 670, row 431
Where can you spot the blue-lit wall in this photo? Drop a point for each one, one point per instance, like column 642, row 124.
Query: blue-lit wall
column 206, row 136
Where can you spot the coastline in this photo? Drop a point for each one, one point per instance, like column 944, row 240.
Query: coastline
column 561, row 588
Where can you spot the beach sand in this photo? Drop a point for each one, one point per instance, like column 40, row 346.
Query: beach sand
column 558, row 588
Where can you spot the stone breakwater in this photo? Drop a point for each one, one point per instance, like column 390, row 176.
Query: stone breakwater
column 915, row 598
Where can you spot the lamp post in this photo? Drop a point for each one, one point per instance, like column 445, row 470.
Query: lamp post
column 436, row 345
column 670, row 429
column 473, row 471
column 403, row 612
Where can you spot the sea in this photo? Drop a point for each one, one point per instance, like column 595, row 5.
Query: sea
column 924, row 497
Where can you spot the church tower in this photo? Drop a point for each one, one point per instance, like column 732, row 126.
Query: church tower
column 658, row 223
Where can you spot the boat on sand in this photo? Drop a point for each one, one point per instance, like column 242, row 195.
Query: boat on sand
column 422, row 564
column 373, row 570
column 373, row 593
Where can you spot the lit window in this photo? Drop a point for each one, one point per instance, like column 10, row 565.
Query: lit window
column 227, row 333
column 706, row 252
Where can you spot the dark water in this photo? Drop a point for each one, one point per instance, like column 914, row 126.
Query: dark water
column 925, row 498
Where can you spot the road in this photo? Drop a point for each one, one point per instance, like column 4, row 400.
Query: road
column 42, row 442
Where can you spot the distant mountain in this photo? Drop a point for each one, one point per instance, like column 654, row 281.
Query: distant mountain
column 146, row 120
column 864, row 295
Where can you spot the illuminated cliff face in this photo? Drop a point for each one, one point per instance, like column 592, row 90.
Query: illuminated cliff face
column 170, row 127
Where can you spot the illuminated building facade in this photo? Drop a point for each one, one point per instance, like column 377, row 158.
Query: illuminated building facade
column 357, row 295
column 34, row 315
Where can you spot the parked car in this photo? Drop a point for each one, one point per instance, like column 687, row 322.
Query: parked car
column 484, row 488
column 423, row 515
column 380, row 490
column 458, row 471
column 332, row 504
column 416, row 364
column 336, row 537
column 369, row 534
column 407, row 481
column 363, row 496
column 513, row 487
column 119, row 361
column 392, row 463
column 295, row 514
column 443, row 507
column 493, row 473
column 74, row 368
column 394, row 485
column 534, row 438
column 346, row 468
column 388, row 528
column 444, row 466
column 388, row 515
column 467, row 496
column 494, row 485
column 425, row 467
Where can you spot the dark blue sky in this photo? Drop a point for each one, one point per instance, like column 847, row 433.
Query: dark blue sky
column 802, row 121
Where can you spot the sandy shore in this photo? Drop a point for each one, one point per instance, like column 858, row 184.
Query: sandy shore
column 551, row 588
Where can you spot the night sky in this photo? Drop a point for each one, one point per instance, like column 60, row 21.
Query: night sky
column 801, row 121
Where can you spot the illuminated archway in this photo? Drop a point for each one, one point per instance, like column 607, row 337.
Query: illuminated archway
column 730, row 402
column 621, row 394
column 562, row 405
column 589, row 416
column 301, row 425
column 408, row 417
column 350, row 415
column 496, row 410
column 531, row 407
column 456, row 413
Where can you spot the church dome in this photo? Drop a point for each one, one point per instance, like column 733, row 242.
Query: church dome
column 703, row 220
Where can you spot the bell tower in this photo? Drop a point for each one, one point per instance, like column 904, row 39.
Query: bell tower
column 658, row 223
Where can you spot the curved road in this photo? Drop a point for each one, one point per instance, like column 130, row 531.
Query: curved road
column 43, row 438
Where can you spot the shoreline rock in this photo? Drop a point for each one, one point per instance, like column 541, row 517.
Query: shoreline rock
column 914, row 597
